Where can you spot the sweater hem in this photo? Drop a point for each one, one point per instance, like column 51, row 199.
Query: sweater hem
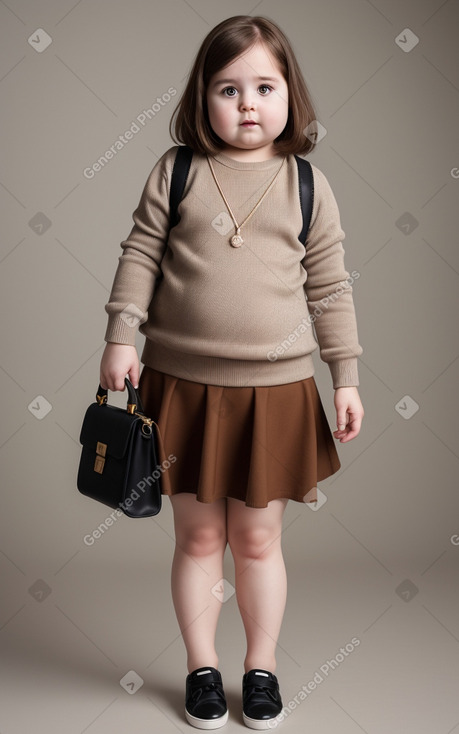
column 223, row 371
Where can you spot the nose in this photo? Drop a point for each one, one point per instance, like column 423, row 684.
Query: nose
column 247, row 102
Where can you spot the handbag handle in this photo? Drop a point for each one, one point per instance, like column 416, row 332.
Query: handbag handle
column 134, row 402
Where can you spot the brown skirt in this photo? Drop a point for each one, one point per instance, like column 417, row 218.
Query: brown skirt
column 253, row 444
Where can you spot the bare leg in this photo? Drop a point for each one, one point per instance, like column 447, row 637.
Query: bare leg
column 254, row 536
column 200, row 534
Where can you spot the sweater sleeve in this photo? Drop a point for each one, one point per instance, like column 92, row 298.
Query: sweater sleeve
column 328, row 288
column 139, row 265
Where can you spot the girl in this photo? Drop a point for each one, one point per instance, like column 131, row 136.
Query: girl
column 226, row 302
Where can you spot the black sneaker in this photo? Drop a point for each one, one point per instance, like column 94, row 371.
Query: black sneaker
column 261, row 699
column 205, row 704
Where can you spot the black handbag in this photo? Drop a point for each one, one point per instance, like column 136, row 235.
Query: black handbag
column 119, row 463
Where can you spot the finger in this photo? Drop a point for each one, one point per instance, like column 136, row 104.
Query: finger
column 106, row 382
column 341, row 419
column 118, row 384
column 353, row 431
column 349, row 437
column 134, row 375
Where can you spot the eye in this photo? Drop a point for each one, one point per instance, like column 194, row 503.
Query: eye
column 227, row 91
column 265, row 87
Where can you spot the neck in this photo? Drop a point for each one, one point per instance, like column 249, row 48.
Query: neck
column 249, row 156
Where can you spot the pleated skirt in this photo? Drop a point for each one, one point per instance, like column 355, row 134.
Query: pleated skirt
column 254, row 444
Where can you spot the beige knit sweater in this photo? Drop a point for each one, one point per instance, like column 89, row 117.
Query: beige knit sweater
column 247, row 316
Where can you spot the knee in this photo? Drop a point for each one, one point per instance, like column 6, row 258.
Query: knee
column 202, row 540
column 252, row 542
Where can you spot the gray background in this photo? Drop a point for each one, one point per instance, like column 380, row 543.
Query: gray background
column 378, row 560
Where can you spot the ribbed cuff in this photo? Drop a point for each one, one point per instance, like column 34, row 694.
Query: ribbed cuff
column 345, row 373
column 119, row 332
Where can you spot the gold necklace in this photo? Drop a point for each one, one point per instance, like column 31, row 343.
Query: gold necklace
column 236, row 240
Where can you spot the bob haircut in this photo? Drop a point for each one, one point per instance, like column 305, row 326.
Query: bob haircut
column 190, row 124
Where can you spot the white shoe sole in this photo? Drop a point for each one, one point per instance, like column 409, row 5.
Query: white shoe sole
column 260, row 724
column 206, row 723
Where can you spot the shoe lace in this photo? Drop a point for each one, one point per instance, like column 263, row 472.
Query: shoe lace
column 262, row 689
column 197, row 692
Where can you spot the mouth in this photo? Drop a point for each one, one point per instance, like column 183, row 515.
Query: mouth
column 249, row 123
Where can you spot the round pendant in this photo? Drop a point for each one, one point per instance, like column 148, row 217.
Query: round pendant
column 236, row 240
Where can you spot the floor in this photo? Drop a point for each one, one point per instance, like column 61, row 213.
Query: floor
column 93, row 646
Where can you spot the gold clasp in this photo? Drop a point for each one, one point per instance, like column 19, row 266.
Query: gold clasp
column 101, row 450
column 147, row 424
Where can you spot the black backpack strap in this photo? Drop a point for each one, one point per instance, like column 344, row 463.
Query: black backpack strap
column 179, row 177
column 306, row 186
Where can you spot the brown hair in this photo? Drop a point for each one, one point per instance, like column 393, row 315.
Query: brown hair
column 229, row 39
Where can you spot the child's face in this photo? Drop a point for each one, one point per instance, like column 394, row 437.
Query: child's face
column 250, row 88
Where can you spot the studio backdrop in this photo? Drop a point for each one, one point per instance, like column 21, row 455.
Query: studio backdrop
column 88, row 638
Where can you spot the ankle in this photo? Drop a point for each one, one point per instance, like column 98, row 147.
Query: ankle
column 266, row 664
column 201, row 662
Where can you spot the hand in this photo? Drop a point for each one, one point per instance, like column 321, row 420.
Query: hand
column 119, row 360
column 349, row 413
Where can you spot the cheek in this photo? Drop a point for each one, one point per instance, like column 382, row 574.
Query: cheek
column 282, row 108
column 277, row 115
column 218, row 114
